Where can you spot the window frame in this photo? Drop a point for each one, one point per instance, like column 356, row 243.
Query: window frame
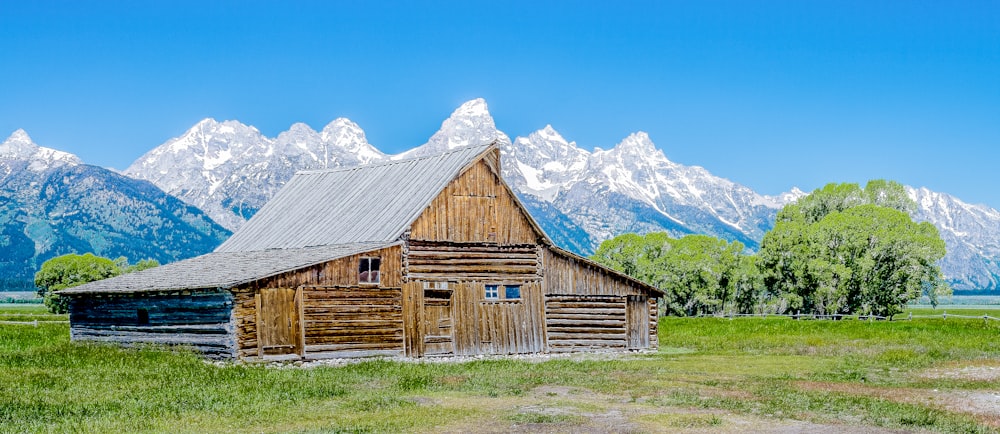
column 376, row 272
column 495, row 292
column 508, row 287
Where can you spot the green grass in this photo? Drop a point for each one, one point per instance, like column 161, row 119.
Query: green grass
column 713, row 374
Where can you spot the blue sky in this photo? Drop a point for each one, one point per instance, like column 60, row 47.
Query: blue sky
column 768, row 94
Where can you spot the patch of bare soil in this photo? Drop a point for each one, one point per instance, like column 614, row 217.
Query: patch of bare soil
column 979, row 371
column 562, row 409
column 983, row 405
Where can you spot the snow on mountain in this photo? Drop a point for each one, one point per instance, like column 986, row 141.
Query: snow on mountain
column 634, row 187
column 470, row 124
column 230, row 170
column 20, row 147
column 544, row 163
column 971, row 234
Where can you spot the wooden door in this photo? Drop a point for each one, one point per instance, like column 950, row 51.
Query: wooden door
column 279, row 330
column 637, row 322
column 439, row 322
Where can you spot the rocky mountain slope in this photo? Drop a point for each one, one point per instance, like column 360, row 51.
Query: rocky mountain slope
column 51, row 204
column 971, row 235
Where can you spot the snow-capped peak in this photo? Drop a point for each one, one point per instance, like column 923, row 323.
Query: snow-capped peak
column 19, row 136
column 638, row 143
column 469, row 125
column 780, row 200
column 20, row 147
column 476, row 108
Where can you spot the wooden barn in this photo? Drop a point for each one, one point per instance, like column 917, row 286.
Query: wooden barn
column 420, row 257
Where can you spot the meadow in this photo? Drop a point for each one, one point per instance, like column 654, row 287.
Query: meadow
column 709, row 375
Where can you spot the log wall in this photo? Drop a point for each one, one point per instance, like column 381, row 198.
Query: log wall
column 197, row 319
column 352, row 322
column 476, row 207
column 437, row 261
column 335, row 282
column 577, row 322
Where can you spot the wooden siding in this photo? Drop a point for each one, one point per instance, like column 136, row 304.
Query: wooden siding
column 352, row 321
column 437, row 261
column 476, row 208
column 279, row 325
column 576, row 322
column 472, row 325
column 637, row 322
column 654, row 324
column 339, row 272
column 337, row 275
column 567, row 276
column 196, row 319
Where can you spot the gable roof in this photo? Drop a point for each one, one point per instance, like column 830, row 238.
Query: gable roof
column 223, row 269
column 370, row 203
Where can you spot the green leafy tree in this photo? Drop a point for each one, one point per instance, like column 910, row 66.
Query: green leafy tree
column 697, row 273
column 71, row 270
column 844, row 249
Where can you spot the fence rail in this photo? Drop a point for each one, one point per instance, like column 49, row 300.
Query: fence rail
column 796, row 316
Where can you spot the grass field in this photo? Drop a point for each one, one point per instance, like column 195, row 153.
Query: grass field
column 709, row 375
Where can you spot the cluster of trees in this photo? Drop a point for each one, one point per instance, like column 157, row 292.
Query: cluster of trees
column 841, row 250
column 71, row 270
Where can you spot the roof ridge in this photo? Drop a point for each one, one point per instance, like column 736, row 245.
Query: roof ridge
column 481, row 148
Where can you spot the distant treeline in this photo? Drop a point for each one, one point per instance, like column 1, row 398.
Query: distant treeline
column 6, row 299
column 8, row 285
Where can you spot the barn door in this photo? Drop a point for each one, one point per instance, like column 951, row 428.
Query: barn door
column 278, row 327
column 439, row 322
column 637, row 323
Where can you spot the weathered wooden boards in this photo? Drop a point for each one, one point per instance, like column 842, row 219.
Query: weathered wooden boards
column 350, row 322
column 460, row 321
column 475, row 208
column 196, row 319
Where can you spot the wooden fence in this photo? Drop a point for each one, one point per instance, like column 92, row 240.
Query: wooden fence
column 803, row 316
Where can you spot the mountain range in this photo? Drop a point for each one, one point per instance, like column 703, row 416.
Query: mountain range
column 580, row 197
column 51, row 203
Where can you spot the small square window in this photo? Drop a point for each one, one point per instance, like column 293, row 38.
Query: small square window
column 492, row 292
column 368, row 270
column 512, row 292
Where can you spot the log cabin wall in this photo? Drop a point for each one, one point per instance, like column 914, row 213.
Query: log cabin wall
column 199, row 319
column 475, row 208
column 337, row 316
column 587, row 307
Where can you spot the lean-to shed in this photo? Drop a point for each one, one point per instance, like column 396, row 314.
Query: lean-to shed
column 419, row 257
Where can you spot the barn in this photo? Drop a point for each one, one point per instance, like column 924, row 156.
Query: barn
column 420, row 257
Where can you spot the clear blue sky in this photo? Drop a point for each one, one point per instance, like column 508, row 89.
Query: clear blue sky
column 768, row 94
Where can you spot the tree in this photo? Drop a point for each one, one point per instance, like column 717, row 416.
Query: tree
column 844, row 249
column 71, row 270
column 698, row 273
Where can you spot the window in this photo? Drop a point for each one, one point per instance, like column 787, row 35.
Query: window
column 512, row 292
column 142, row 316
column 492, row 292
column 368, row 270
column 437, row 285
